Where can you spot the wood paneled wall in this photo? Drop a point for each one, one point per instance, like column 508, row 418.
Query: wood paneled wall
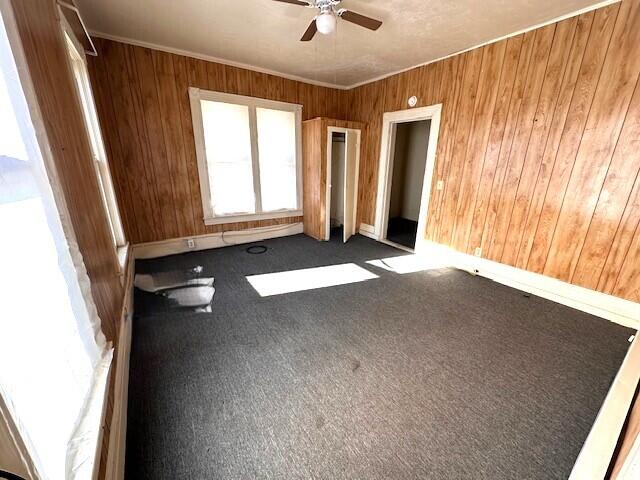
column 143, row 105
column 45, row 49
column 538, row 148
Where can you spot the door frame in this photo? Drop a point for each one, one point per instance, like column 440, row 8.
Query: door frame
column 330, row 131
column 385, row 171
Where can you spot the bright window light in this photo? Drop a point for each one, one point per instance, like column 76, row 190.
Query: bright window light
column 228, row 145
column 308, row 279
column 409, row 263
column 50, row 352
column 277, row 147
column 249, row 156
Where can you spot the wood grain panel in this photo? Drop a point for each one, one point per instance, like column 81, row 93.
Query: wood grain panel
column 504, row 147
column 539, row 159
column 488, row 82
column 576, row 55
column 464, row 120
column 613, row 199
column 524, row 129
column 605, row 121
column 592, row 62
column 539, row 135
column 490, row 170
column 150, row 139
column 313, row 153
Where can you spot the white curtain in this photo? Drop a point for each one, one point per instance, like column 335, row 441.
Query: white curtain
column 54, row 358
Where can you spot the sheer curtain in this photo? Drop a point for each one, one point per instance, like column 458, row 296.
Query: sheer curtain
column 54, row 358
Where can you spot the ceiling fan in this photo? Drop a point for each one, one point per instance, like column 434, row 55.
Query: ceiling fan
column 325, row 21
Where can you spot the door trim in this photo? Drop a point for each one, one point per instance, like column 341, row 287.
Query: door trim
column 385, row 170
column 330, row 131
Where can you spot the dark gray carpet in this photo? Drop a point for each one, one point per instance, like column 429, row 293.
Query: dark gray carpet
column 423, row 375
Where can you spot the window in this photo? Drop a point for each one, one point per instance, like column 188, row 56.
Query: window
column 248, row 156
column 54, row 359
column 81, row 76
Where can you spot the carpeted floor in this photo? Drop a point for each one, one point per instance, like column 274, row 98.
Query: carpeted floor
column 433, row 374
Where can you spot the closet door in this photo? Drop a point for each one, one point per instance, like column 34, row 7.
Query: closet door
column 350, row 182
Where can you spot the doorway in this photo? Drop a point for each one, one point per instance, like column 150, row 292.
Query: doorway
column 407, row 160
column 343, row 158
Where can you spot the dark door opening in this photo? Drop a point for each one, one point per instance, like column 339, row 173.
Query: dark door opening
column 409, row 161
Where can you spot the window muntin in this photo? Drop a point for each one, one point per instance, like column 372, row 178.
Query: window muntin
column 248, row 156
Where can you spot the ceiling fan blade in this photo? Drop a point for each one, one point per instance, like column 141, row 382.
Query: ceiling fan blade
column 311, row 31
column 363, row 21
column 294, row 2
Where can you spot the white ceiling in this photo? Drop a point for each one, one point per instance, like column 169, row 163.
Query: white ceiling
column 265, row 34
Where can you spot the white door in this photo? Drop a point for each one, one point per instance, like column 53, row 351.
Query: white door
column 350, row 186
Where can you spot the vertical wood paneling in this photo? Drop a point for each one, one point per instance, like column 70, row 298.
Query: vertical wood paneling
column 607, row 115
column 539, row 134
column 613, row 199
column 590, row 69
column 489, row 172
column 533, row 86
column 538, row 148
column 583, row 29
column 150, row 120
column 464, row 120
column 494, row 205
column 149, row 134
column 488, row 83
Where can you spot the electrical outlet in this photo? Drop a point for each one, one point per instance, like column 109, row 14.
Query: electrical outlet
column 478, row 252
column 191, row 243
column 440, row 185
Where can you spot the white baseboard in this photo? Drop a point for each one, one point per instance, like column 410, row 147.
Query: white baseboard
column 118, row 431
column 367, row 231
column 599, row 447
column 612, row 308
column 214, row 240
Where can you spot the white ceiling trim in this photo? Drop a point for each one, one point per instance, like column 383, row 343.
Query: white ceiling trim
column 209, row 58
column 231, row 63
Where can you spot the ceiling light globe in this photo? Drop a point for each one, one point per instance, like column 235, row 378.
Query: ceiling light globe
column 326, row 23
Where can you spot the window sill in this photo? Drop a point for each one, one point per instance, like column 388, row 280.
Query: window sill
column 252, row 217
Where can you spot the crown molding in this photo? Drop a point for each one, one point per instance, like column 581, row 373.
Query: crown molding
column 209, row 58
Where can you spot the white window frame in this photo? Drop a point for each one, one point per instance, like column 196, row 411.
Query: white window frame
column 76, row 56
column 196, row 95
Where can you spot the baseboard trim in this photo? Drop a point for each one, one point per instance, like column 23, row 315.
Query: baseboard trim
column 367, row 231
column 214, row 240
column 599, row 447
column 118, row 431
column 615, row 309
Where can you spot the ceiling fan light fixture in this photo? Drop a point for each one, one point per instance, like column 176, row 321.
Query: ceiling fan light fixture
column 326, row 22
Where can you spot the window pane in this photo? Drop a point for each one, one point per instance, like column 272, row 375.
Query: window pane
column 48, row 351
column 228, row 147
column 11, row 144
column 277, row 149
